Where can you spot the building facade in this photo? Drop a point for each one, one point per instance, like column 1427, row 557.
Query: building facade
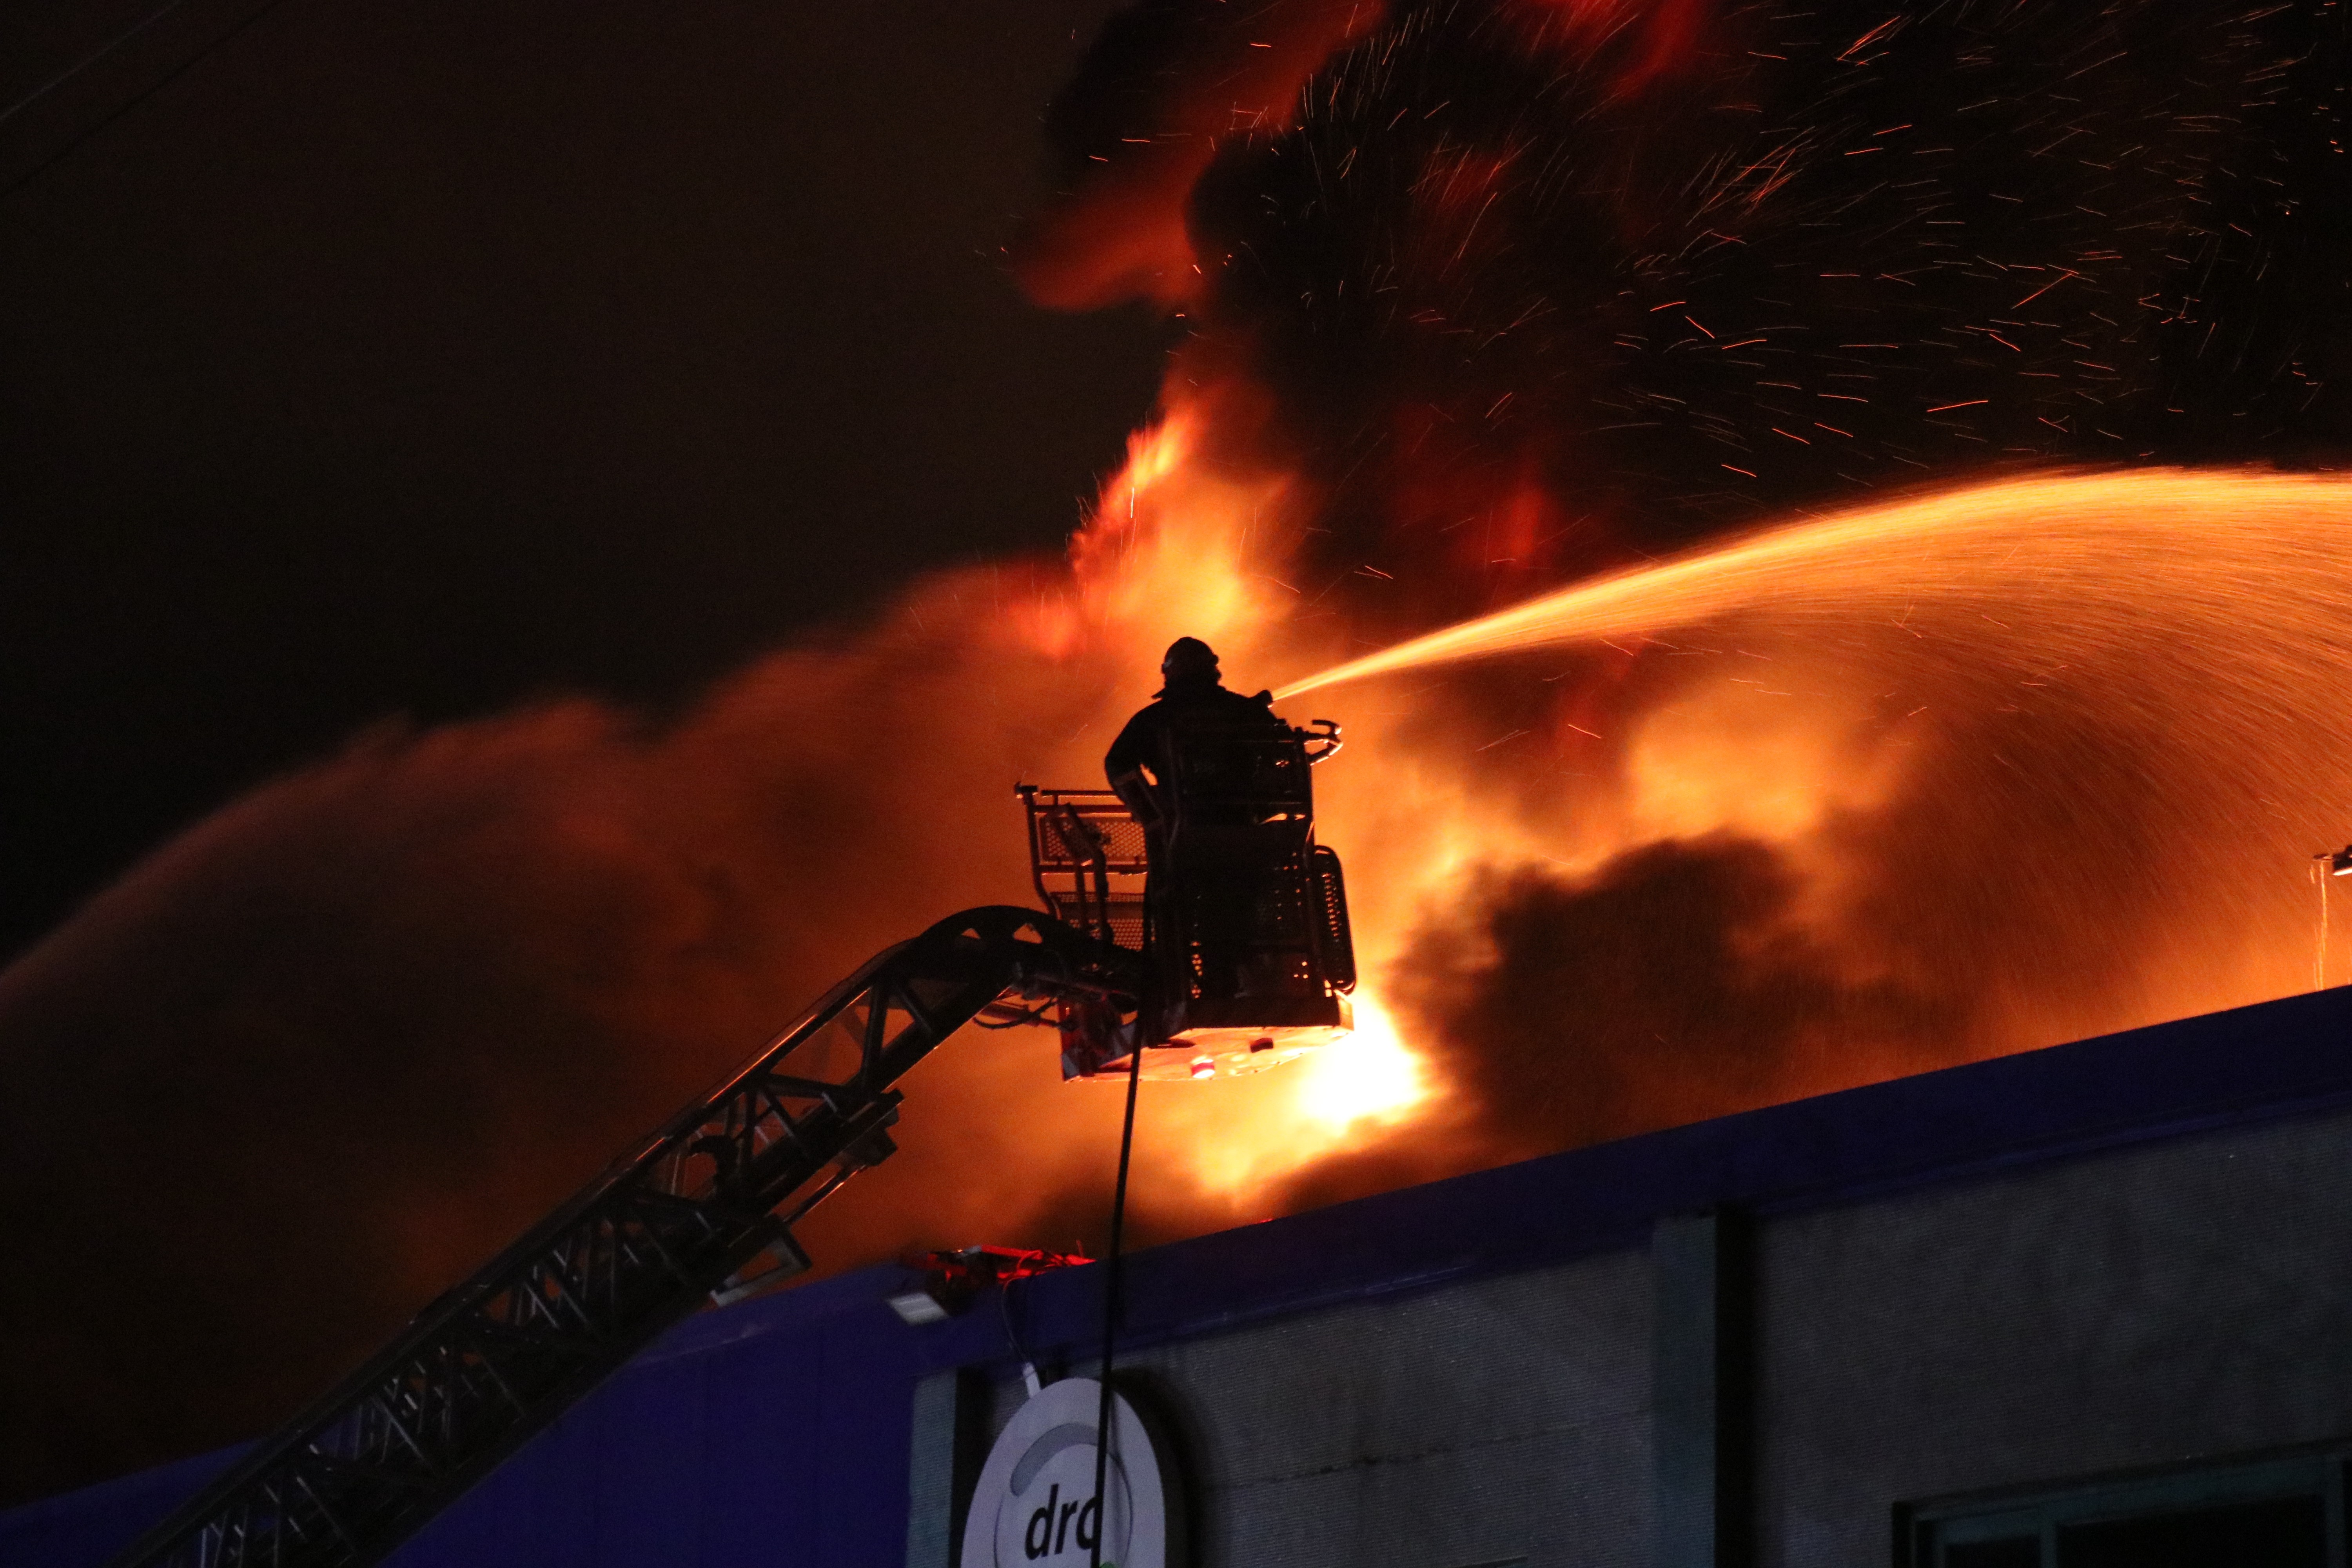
column 2081, row 1307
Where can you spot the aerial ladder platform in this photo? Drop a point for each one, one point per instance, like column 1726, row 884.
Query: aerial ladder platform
column 1231, row 960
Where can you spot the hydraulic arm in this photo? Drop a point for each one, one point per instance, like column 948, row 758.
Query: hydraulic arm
column 703, row 1209
column 1211, row 938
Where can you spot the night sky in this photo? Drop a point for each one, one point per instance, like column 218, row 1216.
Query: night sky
column 397, row 363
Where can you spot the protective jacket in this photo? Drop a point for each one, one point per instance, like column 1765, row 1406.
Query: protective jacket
column 1143, row 744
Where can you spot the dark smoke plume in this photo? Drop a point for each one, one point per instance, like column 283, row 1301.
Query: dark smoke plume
column 1165, row 83
column 1583, row 276
column 1675, row 985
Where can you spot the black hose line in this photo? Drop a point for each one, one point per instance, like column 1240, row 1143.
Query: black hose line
column 1111, row 1303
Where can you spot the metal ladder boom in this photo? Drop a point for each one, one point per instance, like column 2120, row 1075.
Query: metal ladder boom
column 496, row 1359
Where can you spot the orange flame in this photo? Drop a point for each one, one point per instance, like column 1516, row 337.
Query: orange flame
column 1805, row 690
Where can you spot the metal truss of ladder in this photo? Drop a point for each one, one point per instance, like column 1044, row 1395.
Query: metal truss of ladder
column 680, row 1221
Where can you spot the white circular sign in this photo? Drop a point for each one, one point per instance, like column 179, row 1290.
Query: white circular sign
column 1035, row 1504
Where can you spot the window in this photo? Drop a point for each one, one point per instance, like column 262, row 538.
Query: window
column 2282, row 1513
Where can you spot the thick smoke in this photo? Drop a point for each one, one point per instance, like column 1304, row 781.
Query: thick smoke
column 1165, row 83
column 332, row 1049
column 1680, row 981
column 1677, row 985
column 1535, row 283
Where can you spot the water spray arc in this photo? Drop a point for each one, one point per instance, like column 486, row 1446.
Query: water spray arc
column 2092, row 553
column 1991, row 712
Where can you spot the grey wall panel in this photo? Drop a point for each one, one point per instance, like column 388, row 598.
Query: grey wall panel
column 1478, row 1423
column 1701, row 1380
column 945, row 1449
column 931, row 1500
column 2159, row 1304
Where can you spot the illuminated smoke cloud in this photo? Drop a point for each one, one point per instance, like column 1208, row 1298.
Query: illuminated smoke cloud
column 1680, row 981
column 325, row 1054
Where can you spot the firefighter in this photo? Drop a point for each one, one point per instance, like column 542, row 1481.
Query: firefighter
column 1192, row 689
column 1205, row 911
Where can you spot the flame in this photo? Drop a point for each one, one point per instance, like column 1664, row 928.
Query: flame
column 1777, row 691
column 1371, row 1076
column 1182, row 543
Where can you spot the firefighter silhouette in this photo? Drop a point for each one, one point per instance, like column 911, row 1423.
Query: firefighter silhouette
column 1171, row 766
column 1192, row 696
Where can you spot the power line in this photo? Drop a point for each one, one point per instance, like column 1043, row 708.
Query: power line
column 55, row 119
